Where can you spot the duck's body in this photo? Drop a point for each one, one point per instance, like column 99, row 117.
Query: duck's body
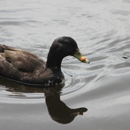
column 27, row 68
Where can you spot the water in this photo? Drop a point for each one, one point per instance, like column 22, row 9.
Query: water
column 102, row 31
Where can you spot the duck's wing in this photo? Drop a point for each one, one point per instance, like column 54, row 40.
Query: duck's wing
column 19, row 59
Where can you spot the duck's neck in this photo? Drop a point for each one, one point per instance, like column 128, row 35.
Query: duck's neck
column 54, row 61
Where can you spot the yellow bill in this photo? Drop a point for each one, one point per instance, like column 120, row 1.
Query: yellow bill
column 80, row 57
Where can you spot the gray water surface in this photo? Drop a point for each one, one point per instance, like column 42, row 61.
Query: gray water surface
column 102, row 31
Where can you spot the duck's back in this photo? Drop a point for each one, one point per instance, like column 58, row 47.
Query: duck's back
column 15, row 62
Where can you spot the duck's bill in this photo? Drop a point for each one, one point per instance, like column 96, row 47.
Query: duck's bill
column 80, row 57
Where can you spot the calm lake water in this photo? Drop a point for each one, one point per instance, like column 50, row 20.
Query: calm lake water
column 102, row 31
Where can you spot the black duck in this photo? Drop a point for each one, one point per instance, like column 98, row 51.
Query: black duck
column 24, row 67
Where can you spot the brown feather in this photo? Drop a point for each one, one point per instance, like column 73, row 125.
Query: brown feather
column 23, row 60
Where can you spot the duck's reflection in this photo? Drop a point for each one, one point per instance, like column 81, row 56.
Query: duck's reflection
column 57, row 109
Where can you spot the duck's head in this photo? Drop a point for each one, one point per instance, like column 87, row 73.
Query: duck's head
column 65, row 46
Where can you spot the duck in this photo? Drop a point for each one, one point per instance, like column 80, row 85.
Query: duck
column 26, row 68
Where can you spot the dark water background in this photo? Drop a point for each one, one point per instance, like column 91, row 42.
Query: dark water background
column 102, row 31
